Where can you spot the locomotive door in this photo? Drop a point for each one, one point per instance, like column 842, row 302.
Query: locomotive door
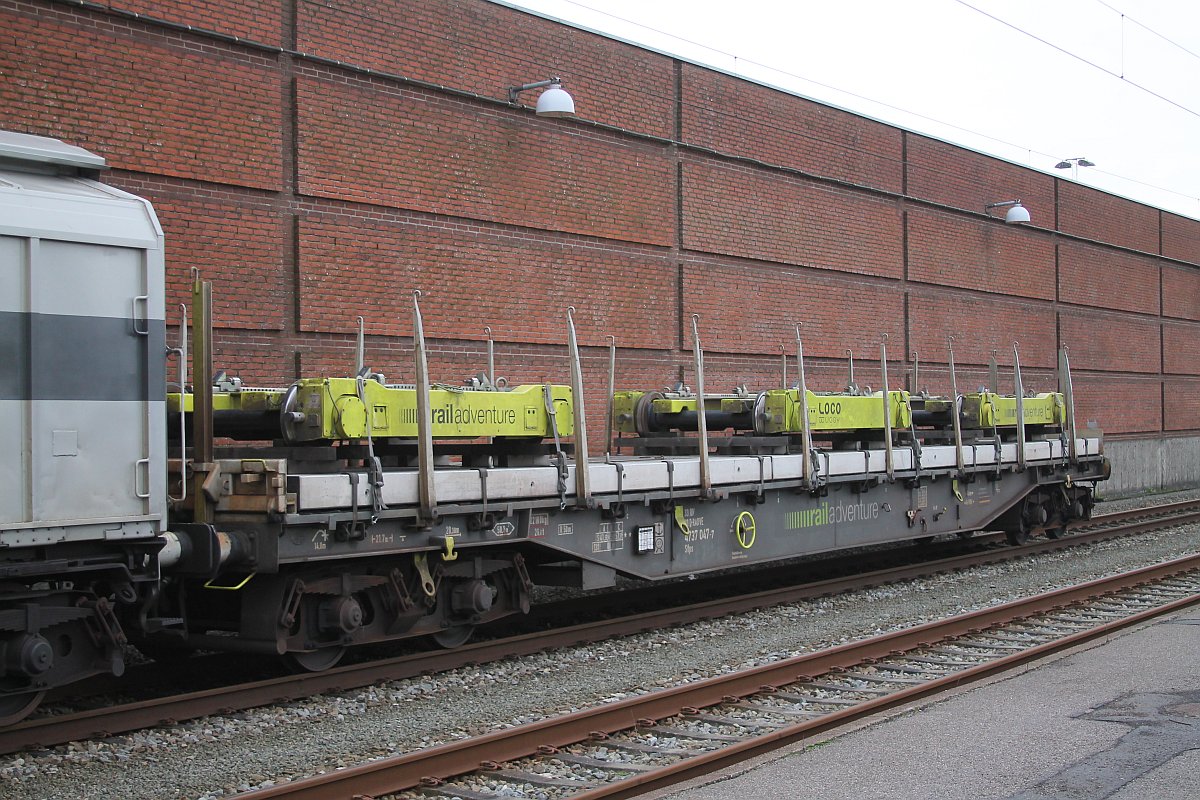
column 82, row 407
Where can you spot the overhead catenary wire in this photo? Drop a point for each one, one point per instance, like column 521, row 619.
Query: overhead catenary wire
column 1118, row 75
column 1149, row 29
column 972, row 132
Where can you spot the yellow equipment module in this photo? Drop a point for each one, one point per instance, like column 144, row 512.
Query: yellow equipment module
column 779, row 411
column 340, row 409
column 988, row 410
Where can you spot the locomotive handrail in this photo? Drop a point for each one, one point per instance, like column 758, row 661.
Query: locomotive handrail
column 182, row 352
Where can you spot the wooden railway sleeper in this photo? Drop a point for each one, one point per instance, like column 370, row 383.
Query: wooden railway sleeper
column 648, row 749
column 1079, row 618
column 736, row 722
column 700, row 736
column 750, row 705
column 944, row 662
column 990, row 643
column 1056, row 629
column 1012, row 637
column 521, row 776
column 457, row 792
column 862, row 676
column 812, row 699
column 1124, row 606
column 1155, row 591
column 966, row 645
column 911, row 670
column 596, row 763
column 833, row 687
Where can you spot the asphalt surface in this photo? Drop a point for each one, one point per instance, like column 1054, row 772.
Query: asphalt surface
column 1119, row 720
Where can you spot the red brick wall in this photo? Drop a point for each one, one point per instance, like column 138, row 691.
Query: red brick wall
column 951, row 176
column 1119, row 405
column 237, row 239
column 727, row 115
column 1092, row 214
column 1181, row 405
column 1111, row 342
column 948, row 250
column 1106, row 278
column 421, row 152
column 1181, row 348
column 255, row 20
column 753, row 213
column 754, row 309
column 472, row 276
column 1181, row 238
column 313, row 193
column 148, row 104
column 1181, row 292
column 482, row 48
column 979, row 325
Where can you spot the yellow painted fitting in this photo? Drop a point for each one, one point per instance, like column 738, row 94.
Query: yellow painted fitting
column 744, row 529
column 350, row 417
column 683, row 526
column 209, row 584
column 422, row 565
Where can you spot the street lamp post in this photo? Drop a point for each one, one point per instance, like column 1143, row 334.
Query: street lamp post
column 1074, row 164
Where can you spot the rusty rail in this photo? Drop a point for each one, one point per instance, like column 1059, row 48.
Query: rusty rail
column 428, row 766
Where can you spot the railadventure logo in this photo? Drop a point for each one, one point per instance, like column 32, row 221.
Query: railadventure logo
column 450, row 415
column 830, row 514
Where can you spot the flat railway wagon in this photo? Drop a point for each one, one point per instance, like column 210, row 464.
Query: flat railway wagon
column 298, row 521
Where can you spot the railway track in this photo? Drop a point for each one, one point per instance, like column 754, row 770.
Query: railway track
column 114, row 719
column 654, row 741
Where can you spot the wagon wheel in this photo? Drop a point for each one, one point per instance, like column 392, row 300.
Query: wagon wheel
column 1019, row 535
column 314, row 660
column 456, row 636
column 15, row 707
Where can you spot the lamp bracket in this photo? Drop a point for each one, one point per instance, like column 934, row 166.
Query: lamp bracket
column 513, row 91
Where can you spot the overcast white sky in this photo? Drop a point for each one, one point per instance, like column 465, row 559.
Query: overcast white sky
column 966, row 71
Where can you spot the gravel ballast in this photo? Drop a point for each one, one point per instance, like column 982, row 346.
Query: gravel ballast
column 221, row 756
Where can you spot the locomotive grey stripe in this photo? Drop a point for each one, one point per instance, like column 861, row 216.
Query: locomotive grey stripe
column 69, row 366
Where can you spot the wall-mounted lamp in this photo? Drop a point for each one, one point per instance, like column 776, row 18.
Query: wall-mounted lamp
column 1016, row 213
column 554, row 102
column 1068, row 163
